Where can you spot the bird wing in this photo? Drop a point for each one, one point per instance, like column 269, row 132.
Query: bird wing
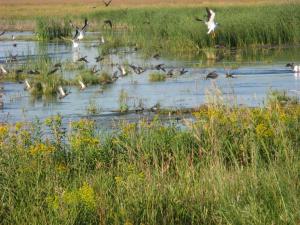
column 76, row 35
column 2, row 33
column 211, row 15
column 86, row 24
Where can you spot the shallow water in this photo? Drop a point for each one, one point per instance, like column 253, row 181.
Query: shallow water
column 255, row 74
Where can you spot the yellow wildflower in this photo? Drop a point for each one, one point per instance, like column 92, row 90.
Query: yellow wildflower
column 87, row 196
column 41, row 148
column 263, row 131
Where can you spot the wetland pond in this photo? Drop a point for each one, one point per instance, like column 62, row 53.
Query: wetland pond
column 256, row 73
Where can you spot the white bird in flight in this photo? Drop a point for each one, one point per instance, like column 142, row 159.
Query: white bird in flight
column 210, row 23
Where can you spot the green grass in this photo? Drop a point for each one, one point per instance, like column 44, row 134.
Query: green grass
column 49, row 29
column 156, row 77
column 230, row 166
column 176, row 30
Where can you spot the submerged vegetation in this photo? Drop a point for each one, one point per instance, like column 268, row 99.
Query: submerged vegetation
column 231, row 165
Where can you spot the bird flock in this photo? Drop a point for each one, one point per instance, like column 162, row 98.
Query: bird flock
column 80, row 33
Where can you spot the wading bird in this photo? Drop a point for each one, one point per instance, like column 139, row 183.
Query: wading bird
column 210, row 23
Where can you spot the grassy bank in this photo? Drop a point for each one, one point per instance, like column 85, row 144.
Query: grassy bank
column 175, row 29
column 231, row 166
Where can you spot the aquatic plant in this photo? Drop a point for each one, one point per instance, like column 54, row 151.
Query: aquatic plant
column 49, row 29
column 154, row 77
column 123, row 101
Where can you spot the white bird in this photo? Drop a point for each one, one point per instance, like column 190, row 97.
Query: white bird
column 102, row 40
column 82, row 85
column 295, row 68
column 210, row 23
column 27, row 85
column 62, row 92
column 81, row 31
column 2, row 70
column 122, row 70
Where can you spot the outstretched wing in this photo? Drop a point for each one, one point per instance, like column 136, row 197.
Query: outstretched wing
column 2, row 33
column 86, row 24
column 76, row 35
column 210, row 15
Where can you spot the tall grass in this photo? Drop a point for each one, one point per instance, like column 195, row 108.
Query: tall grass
column 231, row 166
column 49, row 29
column 175, row 29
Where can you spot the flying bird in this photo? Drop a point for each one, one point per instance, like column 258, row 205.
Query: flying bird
column 79, row 35
column 3, row 32
column 83, row 59
column 82, row 85
column 61, row 92
column 107, row 3
column 210, row 23
column 2, row 70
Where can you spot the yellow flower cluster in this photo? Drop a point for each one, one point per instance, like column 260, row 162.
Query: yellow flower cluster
column 263, row 131
column 84, row 195
column 41, row 148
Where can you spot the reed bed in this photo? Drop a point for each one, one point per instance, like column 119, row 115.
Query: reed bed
column 175, row 29
column 49, row 29
column 230, row 166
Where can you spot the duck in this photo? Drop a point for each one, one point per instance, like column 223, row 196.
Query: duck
column 61, row 92
column 212, row 75
column 295, row 68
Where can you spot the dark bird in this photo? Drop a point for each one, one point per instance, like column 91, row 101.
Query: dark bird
column 83, row 59
column 58, row 65
column 94, row 69
column 53, row 71
column 182, row 71
column 107, row 3
column 212, row 75
column 99, row 58
column 19, row 71
column 108, row 22
column 229, row 75
column 137, row 69
column 33, row 72
column 160, row 67
column 156, row 56
column 3, row 32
